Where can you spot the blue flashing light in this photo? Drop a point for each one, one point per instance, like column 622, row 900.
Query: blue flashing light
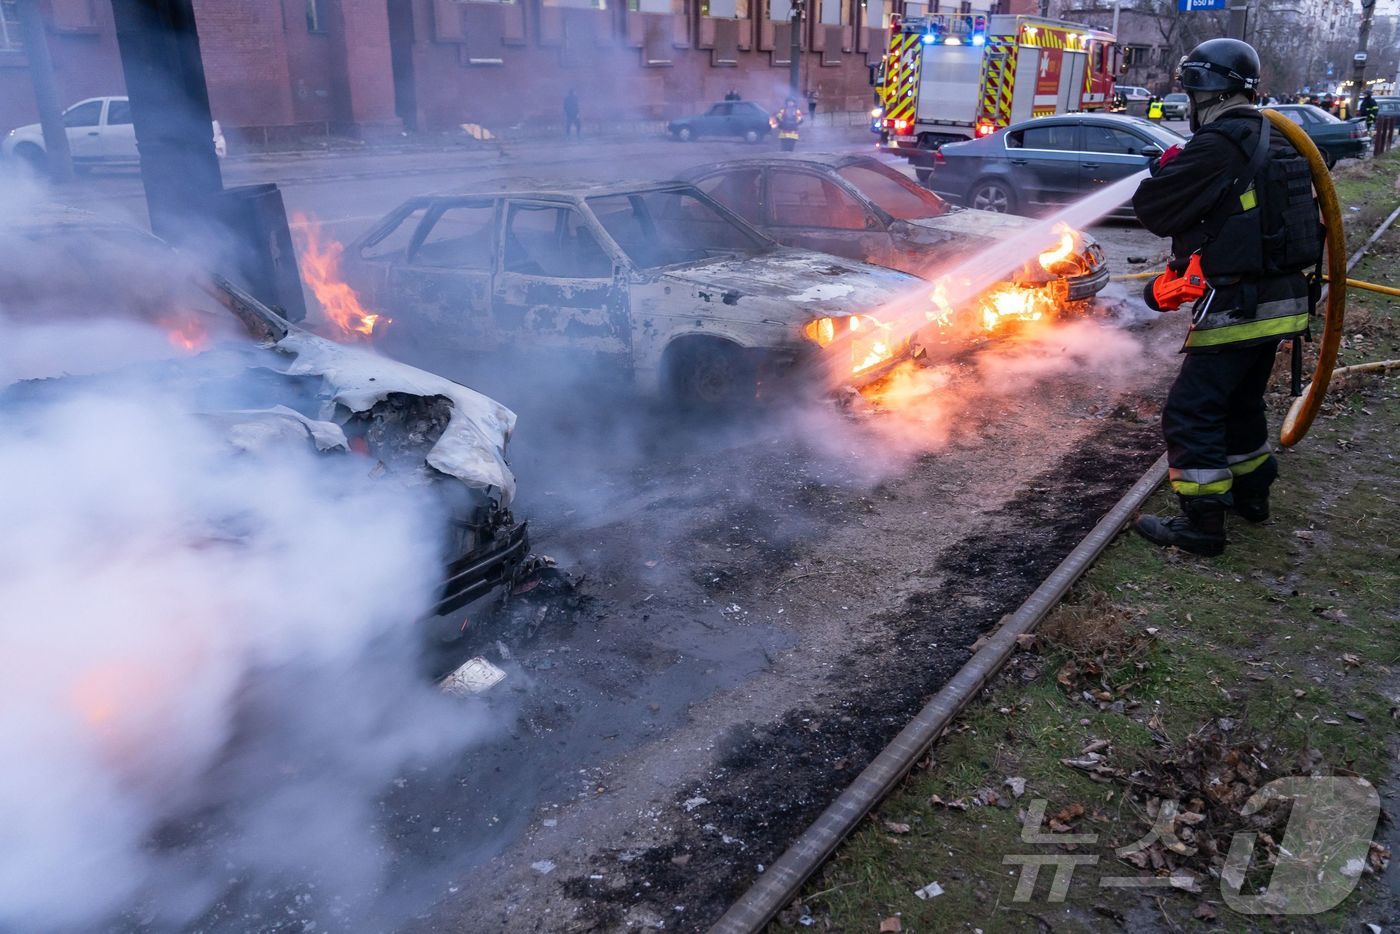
column 979, row 39
column 928, row 38
column 952, row 40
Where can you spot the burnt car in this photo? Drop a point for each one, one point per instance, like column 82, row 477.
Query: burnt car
column 860, row 208
column 672, row 289
column 263, row 382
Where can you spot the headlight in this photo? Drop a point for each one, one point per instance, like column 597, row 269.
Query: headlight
column 822, row 331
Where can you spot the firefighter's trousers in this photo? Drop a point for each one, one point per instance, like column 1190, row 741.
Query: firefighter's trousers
column 1214, row 423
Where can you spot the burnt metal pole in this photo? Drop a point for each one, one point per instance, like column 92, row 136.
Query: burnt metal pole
column 36, row 47
column 174, row 128
column 795, row 50
column 1358, row 70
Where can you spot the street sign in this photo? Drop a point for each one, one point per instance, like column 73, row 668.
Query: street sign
column 1194, row 6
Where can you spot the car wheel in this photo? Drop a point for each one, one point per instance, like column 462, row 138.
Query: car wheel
column 1330, row 159
column 923, row 175
column 32, row 156
column 751, row 136
column 710, row 374
column 685, row 134
column 992, row 195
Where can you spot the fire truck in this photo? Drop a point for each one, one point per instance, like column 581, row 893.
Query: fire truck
column 949, row 77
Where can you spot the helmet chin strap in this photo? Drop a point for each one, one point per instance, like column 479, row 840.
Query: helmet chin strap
column 1206, row 105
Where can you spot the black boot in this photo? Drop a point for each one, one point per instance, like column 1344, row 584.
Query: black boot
column 1251, row 491
column 1200, row 529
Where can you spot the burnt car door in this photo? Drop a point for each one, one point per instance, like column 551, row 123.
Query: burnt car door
column 557, row 287
column 439, row 285
column 806, row 209
column 1111, row 153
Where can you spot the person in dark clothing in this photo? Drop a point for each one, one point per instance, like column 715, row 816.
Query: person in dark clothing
column 732, row 95
column 1368, row 108
column 572, row 123
column 1237, row 203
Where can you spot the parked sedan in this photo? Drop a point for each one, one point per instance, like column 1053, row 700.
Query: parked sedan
column 858, row 207
column 1175, row 106
column 659, row 280
column 99, row 131
column 1338, row 139
column 744, row 119
column 1048, row 161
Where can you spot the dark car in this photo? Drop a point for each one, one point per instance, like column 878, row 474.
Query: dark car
column 860, row 208
column 1337, row 138
column 1048, row 161
column 744, row 119
column 1175, row 105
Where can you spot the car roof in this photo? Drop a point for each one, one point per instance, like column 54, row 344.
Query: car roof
column 570, row 194
column 825, row 160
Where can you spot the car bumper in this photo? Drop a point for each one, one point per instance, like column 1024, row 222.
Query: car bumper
column 476, row 574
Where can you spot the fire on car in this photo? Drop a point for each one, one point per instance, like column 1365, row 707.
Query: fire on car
column 676, row 290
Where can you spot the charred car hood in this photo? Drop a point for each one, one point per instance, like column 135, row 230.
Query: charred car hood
column 472, row 447
column 798, row 285
column 965, row 224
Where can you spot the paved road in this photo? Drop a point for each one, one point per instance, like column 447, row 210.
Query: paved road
column 767, row 598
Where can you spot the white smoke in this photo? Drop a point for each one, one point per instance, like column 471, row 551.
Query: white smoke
column 208, row 659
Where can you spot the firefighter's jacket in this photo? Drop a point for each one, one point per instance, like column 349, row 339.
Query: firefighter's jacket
column 1256, row 243
column 786, row 123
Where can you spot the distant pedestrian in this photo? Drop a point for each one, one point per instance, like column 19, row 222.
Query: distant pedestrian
column 813, row 97
column 1154, row 109
column 572, row 123
column 733, row 95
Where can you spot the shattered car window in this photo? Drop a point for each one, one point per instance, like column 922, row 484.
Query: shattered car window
column 553, row 241
column 669, row 227
column 896, row 195
column 393, row 243
column 739, row 191
column 459, row 238
column 801, row 199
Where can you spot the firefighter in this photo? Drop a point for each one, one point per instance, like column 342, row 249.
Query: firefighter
column 1368, row 108
column 1154, row 109
column 1237, row 202
column 786, row 122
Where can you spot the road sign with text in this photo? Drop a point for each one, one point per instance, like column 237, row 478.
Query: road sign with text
column 1194, row 6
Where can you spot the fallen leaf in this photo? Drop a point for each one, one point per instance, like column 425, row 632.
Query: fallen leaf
column 1017, row 786
column 957, row 805
column 932, row 890
column 1099, row 745
column 1070, row 813
column 1350, row 660
column 896, row 827
column 1303, row 534
column 891, row 926
column 680, row 859
column 1299, row 692
column 1357, row 716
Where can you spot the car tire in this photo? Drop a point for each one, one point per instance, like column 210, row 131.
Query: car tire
column 752, row 136
column 991, row 194
column 685, row 134
column 1330, row 159
column 710, row 374
column 923, row 175
column 32, row 156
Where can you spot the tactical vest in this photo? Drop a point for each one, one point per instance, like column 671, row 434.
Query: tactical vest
column 1259, row 243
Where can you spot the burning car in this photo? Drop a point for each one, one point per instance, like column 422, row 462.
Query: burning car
column 263, row 382
column 677, row 290
column 860, row 208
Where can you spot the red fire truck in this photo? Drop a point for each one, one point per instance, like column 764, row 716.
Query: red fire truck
column 950, row 77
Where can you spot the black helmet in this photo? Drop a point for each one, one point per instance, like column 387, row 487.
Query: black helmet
column 1220, row 65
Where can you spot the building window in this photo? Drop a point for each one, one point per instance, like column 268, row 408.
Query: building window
column 313, row 16
column 582, row 4
column 9, row 27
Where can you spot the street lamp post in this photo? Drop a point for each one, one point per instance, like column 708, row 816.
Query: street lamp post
column 795, row 50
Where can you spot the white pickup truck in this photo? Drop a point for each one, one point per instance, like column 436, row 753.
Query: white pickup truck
column 99, row 133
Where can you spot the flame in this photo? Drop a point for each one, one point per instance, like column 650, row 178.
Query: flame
column 872, row 342
column 185, row 330
column 1014, row 303
column 1063, row 253
column 320, row 269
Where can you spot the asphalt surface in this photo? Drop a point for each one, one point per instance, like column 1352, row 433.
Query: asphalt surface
column 762, row 601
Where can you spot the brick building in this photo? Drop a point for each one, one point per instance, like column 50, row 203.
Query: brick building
column 366, row 67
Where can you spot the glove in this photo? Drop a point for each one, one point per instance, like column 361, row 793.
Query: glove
column 1171, row 153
